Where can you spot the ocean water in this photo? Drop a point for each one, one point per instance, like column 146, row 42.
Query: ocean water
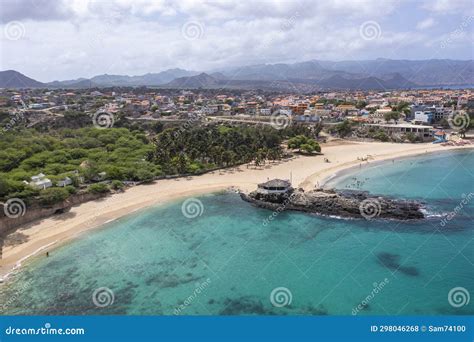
column 222, row 256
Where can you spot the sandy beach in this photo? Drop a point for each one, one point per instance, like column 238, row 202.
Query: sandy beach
column 304, row 171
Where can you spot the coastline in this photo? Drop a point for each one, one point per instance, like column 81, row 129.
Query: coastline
column 304, row 171
column 328, row 180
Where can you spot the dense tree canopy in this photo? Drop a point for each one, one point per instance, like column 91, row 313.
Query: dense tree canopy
column 200, row 148
column 92, row 157
column 305, row 144
column 118, row 152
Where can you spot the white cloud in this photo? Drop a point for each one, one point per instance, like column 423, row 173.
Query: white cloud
column 424, row 24
column 140, row 36
column 449, row 6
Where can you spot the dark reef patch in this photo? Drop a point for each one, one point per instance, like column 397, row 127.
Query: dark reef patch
column 392, row 261
column 164, row 280
column 245, row 305
column 319, row 310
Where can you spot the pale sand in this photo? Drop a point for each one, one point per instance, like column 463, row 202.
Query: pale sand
column 305, row 171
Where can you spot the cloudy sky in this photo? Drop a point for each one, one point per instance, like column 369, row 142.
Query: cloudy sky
column 67, row 39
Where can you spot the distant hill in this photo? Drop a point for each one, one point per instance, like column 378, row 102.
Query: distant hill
column 105, row 80
column 202, row 80
column 73, row 84
column 311, row 70
column 312, row 75
column 430, row 72
column 366, row 83
column 14, row 79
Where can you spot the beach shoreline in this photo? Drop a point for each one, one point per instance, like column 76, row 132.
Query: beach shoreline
column 304, row 171
column 327, row 182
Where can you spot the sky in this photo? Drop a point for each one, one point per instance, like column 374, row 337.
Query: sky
column 67, row 39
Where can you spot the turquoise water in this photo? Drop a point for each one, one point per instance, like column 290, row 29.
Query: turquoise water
column 226, row 261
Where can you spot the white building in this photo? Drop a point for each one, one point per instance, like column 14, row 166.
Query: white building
column 65, row 181
column 275, row 186
column 379, row 114
column 423, row 132
column 308, row 116
column 287, row 112
column 423, row 117
column 209, row 110
column 40, row 181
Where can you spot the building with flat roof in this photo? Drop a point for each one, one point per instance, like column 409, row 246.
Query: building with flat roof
column 275, row 186
column 424, row 132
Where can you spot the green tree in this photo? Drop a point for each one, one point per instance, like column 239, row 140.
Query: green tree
column 391, row 116
column 53, row 195
column 303, row 143
column 117, row 185
column 98, row 188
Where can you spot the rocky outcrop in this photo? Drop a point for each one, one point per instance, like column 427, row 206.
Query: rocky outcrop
column 35, row 211
column 341, row 203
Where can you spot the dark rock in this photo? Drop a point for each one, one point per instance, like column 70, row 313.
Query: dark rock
column 341, row 203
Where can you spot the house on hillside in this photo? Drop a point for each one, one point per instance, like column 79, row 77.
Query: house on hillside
column 64, row 182
column 40, row 181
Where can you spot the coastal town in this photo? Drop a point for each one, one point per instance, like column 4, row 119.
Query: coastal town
column 401, row 116
column 387, row 114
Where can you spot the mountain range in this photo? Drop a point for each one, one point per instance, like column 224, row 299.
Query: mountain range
column 311, row 75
